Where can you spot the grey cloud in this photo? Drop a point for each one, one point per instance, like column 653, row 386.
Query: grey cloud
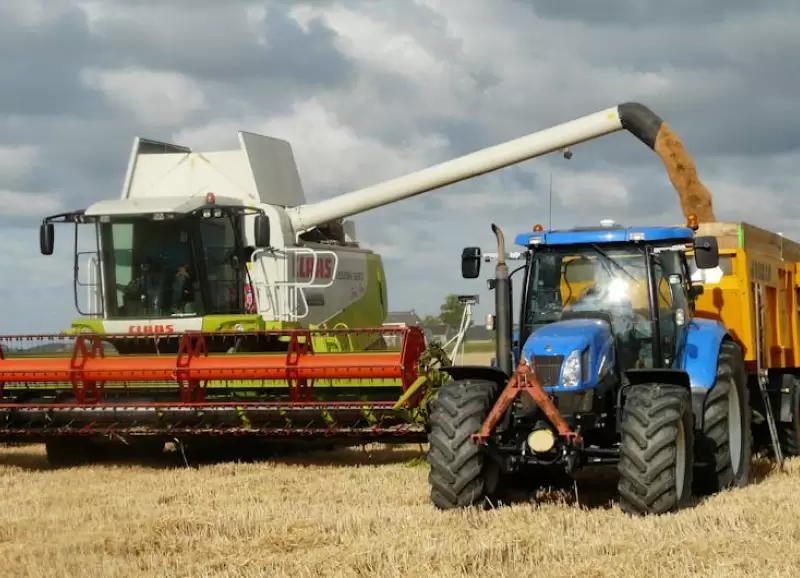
column 644, row 13
column 85, row 142
column 39, row 67
column 217, row 43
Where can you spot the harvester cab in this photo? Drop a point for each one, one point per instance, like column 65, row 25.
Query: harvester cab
column 606, row 350
column 203, row 242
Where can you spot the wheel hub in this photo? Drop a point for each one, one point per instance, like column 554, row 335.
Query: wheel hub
column 680, row 461
column 735, row 434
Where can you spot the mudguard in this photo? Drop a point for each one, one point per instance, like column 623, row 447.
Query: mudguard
column 695, row 367
column 489, row 373
column 699, row 360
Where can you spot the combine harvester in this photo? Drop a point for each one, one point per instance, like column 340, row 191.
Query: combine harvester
column 229, row 309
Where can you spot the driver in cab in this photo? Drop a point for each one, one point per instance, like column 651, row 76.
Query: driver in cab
column 619, row 295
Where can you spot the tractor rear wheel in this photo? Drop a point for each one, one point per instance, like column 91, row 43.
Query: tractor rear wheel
column 461, row 474
column 656, row 458
column 724, row 447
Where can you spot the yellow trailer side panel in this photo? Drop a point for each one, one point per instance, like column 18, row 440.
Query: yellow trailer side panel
column 750, row 257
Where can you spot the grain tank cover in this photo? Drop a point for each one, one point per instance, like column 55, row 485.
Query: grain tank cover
column 152, row 205
column 262, row 169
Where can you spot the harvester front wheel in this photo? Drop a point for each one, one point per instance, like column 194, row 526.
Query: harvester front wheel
column 656, row 457
column 724, row 447
column 460, row 473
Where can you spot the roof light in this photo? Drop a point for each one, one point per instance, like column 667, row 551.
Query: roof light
column 537, row 228
column 691, row 222
column 210, row 199
column 607, row 223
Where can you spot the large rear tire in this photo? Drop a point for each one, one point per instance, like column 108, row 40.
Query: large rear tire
column 656, row 445
column 460, row 473
column 724, row 447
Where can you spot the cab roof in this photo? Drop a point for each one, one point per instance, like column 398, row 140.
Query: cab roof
column 148, row 205
column 605, row 234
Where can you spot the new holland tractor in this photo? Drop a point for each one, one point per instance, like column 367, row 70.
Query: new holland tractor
column 225, row 307
column 624, row 357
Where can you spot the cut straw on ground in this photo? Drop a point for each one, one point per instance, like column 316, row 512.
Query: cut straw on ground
column 354, row 513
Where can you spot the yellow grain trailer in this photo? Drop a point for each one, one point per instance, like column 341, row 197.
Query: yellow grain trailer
column 756, row 295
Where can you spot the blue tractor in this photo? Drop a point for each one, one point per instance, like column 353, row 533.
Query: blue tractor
column 610, row 366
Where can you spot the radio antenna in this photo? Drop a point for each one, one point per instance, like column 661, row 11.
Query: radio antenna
column 550, row 223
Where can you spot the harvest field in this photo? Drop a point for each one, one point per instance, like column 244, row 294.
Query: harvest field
column 366, row 513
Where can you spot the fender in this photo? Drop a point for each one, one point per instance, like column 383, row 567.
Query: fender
column 665, row 375
column 704, row 338
column 477, row 372
column 692, row 370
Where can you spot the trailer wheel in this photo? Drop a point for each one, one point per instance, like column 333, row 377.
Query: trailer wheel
column 656, row 457
column 789, row 432
column 724, row 447
column 460, row 473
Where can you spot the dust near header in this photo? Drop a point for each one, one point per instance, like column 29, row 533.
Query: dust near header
column 692, row 193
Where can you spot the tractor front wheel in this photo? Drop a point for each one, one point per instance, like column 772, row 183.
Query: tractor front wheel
column 460, row 473
column 656, row 446
column 724, row 448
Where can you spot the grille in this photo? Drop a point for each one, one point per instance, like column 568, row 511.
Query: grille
column 548, row 368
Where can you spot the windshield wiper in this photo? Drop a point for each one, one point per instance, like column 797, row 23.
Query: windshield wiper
column 611, row 260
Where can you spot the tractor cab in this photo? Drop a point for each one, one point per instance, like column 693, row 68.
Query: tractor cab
column 598, row 302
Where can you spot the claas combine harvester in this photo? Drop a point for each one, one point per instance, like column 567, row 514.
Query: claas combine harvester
column 225, row 310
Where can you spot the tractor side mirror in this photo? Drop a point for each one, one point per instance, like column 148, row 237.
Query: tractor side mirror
column 706, row 252
column 261, row 231
column 47, row 235
column 470, row 262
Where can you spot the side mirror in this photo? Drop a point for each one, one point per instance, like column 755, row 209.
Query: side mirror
column 47, row 235
column 470, row 262
column 706, row 252
column 261, row 231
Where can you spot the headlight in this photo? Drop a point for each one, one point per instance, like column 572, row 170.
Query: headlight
column 572, row 370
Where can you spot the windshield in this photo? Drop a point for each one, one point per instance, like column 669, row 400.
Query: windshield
column 592, row 279
column 183, row 267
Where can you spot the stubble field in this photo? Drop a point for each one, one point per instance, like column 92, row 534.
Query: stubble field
column 365, row 512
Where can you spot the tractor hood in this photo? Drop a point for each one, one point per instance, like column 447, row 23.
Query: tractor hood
column 562, row 337
column 591, row 339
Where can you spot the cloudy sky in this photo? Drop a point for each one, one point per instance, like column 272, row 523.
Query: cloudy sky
column 368, row 90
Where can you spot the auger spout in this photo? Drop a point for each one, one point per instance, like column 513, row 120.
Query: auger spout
column 634, row 117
